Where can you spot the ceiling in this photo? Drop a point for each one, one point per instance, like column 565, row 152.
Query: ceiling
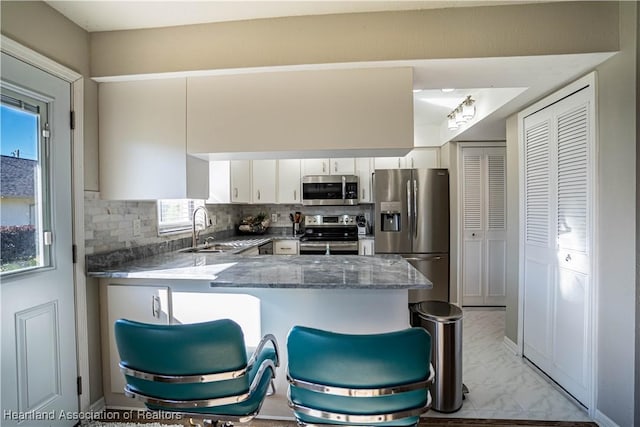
column 501, row 86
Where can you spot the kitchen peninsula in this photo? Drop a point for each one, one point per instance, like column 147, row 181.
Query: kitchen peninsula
column 263, row 293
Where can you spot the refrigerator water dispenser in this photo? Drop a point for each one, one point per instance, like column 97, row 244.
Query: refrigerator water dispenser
column 390, row 221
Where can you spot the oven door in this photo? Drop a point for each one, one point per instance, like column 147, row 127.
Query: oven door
column 329, row 190
column 329, row 248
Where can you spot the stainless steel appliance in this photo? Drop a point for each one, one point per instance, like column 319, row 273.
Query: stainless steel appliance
column 329, row 234
column 412, row 219
column 329, row 190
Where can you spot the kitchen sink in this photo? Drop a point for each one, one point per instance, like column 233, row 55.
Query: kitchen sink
column 235, row 246
column 211, row 249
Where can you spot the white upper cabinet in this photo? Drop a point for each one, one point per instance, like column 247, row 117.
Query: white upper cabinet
column 364, row 168
column 289, row 181
column 219, row 182
column 388, row 162
column 240, row 181
column 263, row 181
column 339, row 166
column 143, row 142
column 418, row 158
column 423, row 158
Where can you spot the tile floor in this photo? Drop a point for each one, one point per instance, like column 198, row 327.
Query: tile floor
column 501, row 384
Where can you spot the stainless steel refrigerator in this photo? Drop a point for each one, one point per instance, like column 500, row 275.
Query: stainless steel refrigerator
column 412, row 220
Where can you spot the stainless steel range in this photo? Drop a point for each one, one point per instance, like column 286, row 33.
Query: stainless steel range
column 329, row 234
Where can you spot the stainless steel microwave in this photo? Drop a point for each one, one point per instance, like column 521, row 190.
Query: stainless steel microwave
column 329, row 190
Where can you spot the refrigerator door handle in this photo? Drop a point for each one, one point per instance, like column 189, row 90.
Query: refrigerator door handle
column 436, row 258
column 415, row 208
column 409, row 214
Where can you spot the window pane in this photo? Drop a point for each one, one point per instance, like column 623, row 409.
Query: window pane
column 21, row 185
column 175, row 215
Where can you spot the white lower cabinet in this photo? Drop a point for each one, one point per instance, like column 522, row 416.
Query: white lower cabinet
column 365, row 247
column 286, row 247
column 148, row 304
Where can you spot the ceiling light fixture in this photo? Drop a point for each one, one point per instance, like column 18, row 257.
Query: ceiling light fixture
column 447, row 89
column 451, row 122
column 462, row 113
column 468, row 108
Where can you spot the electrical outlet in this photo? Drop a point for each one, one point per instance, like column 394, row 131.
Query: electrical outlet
column 213, row 220
column 274, row 217
column 137, row 227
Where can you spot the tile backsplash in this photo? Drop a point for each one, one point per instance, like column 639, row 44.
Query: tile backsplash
column 109, row 223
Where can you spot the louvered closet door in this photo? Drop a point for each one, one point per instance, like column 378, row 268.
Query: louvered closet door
column 558, row 241
column 538, row 244
column 483, row 218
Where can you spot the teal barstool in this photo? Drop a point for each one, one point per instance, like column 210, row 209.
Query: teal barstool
column 358, row 380
column 203, row 370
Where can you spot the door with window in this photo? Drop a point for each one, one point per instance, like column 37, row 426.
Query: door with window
column 37, row 289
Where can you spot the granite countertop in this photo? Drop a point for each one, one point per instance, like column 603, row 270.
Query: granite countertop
column 275, row 271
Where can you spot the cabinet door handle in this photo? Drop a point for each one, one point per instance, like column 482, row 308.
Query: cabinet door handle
column 399, row 162
column 235, row 192
column 335, row 166
column 324, row 167
column 363, row 194
column 568, row 258
column 295, row 195
column 258, row 194
column 412, row 163
column 155, row 306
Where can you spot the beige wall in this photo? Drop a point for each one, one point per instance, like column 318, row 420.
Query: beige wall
column 616, row 225
column 524, row 29
column 637, row 312
column 63, row 41
column 513, row 219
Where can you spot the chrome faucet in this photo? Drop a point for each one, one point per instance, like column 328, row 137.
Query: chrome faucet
column 194, row 235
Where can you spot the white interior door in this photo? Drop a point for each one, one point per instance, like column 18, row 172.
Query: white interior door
column 484, row 226
column 558, row 241
column 37, row 291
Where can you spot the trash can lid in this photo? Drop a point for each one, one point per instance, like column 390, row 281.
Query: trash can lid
column 437, row 310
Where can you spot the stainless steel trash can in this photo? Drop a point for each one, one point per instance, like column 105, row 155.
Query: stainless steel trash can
column 443, row 321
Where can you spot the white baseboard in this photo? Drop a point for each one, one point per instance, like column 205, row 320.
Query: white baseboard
column 98, row 405
column 603, row 421
column 511, row 346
